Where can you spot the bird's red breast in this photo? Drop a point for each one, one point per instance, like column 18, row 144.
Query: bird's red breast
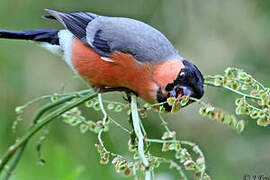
column 123, row 71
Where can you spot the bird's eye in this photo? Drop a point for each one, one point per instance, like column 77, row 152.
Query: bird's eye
column 182, row 75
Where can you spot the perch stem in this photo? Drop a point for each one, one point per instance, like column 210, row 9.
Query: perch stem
column 138, row 131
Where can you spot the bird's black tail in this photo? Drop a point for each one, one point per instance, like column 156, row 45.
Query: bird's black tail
column 41, row 35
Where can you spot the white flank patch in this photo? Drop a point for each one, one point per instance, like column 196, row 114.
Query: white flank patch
column 65, row 40
column 107, row 59
column 55, row 49
column 64, row 50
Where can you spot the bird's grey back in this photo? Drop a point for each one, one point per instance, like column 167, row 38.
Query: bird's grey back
column 133, row 37
column 108, row 34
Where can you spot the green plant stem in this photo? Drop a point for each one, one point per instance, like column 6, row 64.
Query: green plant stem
column 120, row 126
column 15, row 161
column 260, row 84
column 175, row 165
column 59, row 102
column 43, row 110
column 142, row 128
column 248, row 104
column 137, row 129
column 161, row 141
column 113, row 102
column 46, row 97
column 101, row 131
column 152, row 173
column 209, row 83
column 135, row 173
column 178, row 168
column 35, row 101
column 198, row 151
column 105, row 116
column 40, row 124
column 164, row 123
column 158, row 104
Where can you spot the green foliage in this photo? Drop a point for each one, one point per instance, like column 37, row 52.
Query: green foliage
column 253, row 102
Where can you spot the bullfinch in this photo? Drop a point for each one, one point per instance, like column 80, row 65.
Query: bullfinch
column 118, row 52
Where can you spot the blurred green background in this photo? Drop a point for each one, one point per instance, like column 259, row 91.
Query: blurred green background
column 213, row 34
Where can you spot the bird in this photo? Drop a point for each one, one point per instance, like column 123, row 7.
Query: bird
column 118, row 52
